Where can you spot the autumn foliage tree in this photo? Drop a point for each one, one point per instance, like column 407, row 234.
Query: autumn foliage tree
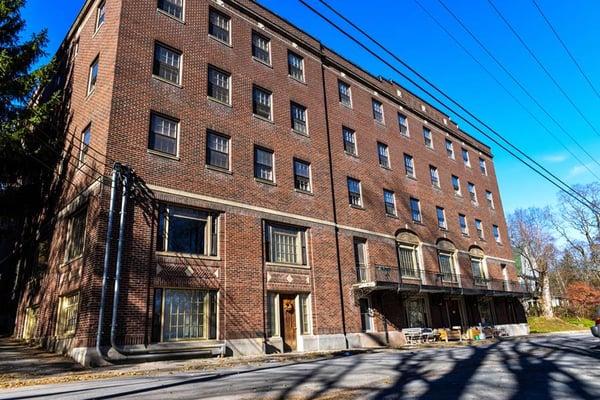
column 583, row 299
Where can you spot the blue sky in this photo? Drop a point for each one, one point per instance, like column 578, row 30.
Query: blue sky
column 408, row 32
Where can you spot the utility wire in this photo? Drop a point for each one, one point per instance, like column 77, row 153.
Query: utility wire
column 542, row 66
column 567, row 189
column 516, row 81
column 509, row 92
column 566, row 48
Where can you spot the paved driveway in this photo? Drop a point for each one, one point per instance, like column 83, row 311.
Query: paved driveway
column 563, row 366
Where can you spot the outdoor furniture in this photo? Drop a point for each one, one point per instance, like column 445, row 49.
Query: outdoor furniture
column 413, row 335
column 427, row 335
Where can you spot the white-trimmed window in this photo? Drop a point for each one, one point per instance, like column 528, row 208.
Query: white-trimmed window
column 360, row 259
column 462, row 222
column 164, row 132
column 76, row 234
column 482, row 166
column 299, row 119
column 219, row 84
column 66, row 319
column 383, row 153
column 366, row 316
column 349, row 141
column 408, row 258
column 273, row 329
column 378, row 111
column 415, row 210
column 409, row 165
column 441, row 218
column 93, row 75
column 447, row 267
column 479, row 277
column 285, row 244
column 100, row 14
column 264, row 161
column 472, row 192
column 466, row 158
column 172, row 7
column 167, row 63
column 345, row 93
column 456, row 184
column 217, row 150
column 86, row 138
column 490, row 199
column 389, row 200
column 184, row 314
column 261, row 48
column 496, row 233
column 305, row 314
column 302, row 176
column 219, row 26
column 261, row 102
column 450, row 149
column 479, row 228
column 435, row 176
column 427, row 138
column 187, row 231
column 296, row 66
column 403, row 124
column 354, row 192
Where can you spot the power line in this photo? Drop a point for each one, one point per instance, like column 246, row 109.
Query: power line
column 542, row 66
column 509, row 92
column 570, row 191
column 566, row 48
column 516, row 81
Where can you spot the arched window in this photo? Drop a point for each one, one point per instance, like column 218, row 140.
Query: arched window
column 408, row 254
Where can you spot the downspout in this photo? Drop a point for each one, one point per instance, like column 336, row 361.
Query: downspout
column 335, row 222
column 108, row 244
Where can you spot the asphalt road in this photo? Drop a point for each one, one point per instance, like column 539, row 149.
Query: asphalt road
column 565, row 366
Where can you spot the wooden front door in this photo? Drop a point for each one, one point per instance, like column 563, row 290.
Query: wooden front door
column 288, row 321
column 454, row 313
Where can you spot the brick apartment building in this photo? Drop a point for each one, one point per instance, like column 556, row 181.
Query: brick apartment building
column 284, row 198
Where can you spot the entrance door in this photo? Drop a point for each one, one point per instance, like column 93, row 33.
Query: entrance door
column 288, row 321
column 454, row 313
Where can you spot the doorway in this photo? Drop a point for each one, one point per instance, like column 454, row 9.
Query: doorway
column 288, row 322
column 454, row 314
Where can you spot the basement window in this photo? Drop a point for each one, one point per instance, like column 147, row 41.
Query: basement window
column 66, row 321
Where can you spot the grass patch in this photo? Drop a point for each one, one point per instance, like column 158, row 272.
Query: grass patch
column 548, row 325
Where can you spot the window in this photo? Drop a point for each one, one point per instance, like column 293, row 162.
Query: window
column 263, row 164
column 465, row 157
column 360, row 259
column 408, row 257
column 447, row 267
column 403, row 123
column 349, row 141
column 450, row 149
column 384, row 156
column 302, row 176
column 217, row 150
column 479, row 228
column 415, row 313
column 218, row 84
column 299, row 118
column 295, row 66
column 345, row 93
column 187, row 231
column 172, row 7
column 100, row 15
column 435, row 176
column 456, row 184
column 261, row 48
column 184, row 314
column 354, row 192
column 441, row 217
column 496, row 233
column 261, row 102
column 366, row 316
column 482, row 166
column 285, row 245
column 93, row 78
column 272, row 314
column 305, row 315
column 478, row 272
column 427, row 139
column 86, row 137
column 389, row 200
column 378, row 111
column 76, row 234
column 472, row 192
column 66, row 321
column 409, row 165
column 462, row 222
column 490, row 199
column 415, row 210
column 218, row 26
column 164, row 132
column 167, row 64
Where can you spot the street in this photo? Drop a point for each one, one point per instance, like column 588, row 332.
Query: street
column 560, row 366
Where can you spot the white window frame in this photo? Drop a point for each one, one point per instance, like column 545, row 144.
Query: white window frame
column 310, row 182
column 420, row 212
column 269, row 52
column 407, row 133
column 450, row 148
column 496, row 233
column 466, row 157
column 340, row 84
column 212, row 68
column 373, row 103
column 483, row 166
column 353, row 136
column 416, row 256
column 473, row 192
column 458, row 191
column 489, row 196
column 270, row 98
column 182, row 18
column 433, row 171
column 369, row 313
column 302, row 259
column 408, row 157
column 385, row 203
column 272, row 153
column 93, row 82
column 443, row 224
column 464, row 231
column 386, row 148
column 100, row 12
column 83, row 146
column 479, row 230
column 178, row 133
column 428, row 135
column 360, row 198
column 229, row 30
column 291, row 55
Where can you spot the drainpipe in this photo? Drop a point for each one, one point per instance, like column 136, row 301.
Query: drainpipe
column 108, row 244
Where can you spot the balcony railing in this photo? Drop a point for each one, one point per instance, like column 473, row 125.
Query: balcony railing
column 377, row 273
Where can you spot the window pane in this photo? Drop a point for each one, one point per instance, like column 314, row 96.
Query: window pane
column 415, row 210
column 219, row 26
column 345, row 96
column 76, row 234
column 261, row 47
column 217, row 151
column 261, row 102
column 349, row 141
column 403, row 124
column 173, row 7
column 263, row 168
column 304, row 314
column 296, row 66
column 298, row 118
column 415, row 313
column 378, row 111
column 189, row 314
column 302, row 175
column 407, row 258
column 163, row 134
column 285, row 245
column 272, row 314
column 218, row 85
column 166, row 63
column 354, row 192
